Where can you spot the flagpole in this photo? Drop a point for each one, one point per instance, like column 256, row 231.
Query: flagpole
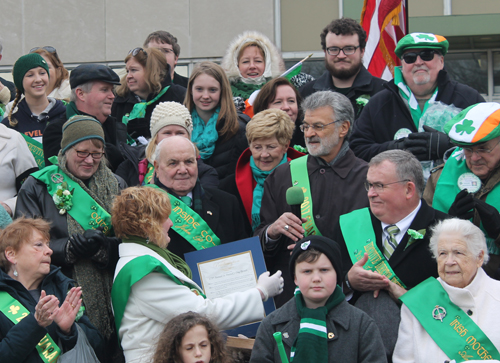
column 296, row 65
column 407, row 30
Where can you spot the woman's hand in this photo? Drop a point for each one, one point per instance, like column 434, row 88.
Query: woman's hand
column 46, row 309
column 66, row 315
column 289, row 225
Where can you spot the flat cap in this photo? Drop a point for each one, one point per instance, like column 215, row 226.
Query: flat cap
column 92, row 72
column 422, row 41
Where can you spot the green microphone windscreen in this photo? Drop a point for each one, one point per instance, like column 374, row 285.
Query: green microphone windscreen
column 294, row 196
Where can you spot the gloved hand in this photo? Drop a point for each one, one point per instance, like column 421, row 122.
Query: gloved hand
column 417, row 147
column 463, row 206
column 270, row 286
column 86, row 245
column 437, row 142
column 490, row 218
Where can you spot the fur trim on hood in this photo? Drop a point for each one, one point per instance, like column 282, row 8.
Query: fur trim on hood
column 274, row 63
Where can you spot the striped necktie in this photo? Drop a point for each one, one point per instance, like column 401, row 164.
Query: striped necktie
column 390, row 242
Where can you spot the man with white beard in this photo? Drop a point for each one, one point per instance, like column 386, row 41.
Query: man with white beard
column 331, row 178
column 391, row 119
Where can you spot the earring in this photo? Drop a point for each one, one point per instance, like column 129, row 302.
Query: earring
column 15, row 271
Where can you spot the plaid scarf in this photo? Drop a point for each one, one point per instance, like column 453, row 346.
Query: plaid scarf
column 311, row 344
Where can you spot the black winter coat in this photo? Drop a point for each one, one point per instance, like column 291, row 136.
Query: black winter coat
column 18, row 342
column 386, row 113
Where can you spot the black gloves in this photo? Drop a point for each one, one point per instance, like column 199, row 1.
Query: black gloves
column 463, row 206
column 428, row 145
column 490, row 218
column 87, row 245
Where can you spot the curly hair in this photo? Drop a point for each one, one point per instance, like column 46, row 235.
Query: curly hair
column 267, row 95
column 344, row 26
column 227, row 123
column 19, row 232
column 141, row 212
column 155, row 70
column 169, row 343
column 269, row 123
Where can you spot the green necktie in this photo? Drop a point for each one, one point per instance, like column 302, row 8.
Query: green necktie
column 186, row 200
column 390, row 242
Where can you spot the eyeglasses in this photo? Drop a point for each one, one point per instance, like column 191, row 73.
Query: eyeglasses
column 350, row 49
column 479, row 151
column 136, row 51
column 85, row 155
column 47, row 48
column 379, row 187
column 425, row 55
column 316, row 127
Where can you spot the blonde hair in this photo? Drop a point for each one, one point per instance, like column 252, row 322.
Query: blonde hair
column 62, row 73
column 227, row 123
column 141, row 212
column 269, row 123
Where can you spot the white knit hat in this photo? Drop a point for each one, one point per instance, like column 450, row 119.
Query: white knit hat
column 170, row 113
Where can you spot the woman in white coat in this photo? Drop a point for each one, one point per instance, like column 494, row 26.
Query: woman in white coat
column 152, row 285
column 454, row 318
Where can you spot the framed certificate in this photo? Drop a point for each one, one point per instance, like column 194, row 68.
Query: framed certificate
column 228, row 268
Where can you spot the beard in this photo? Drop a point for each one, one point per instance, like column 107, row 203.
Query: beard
column 421, row 79
column 326, row 144
column 344, row 73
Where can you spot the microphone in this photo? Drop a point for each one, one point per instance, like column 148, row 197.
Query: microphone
column 294, row 198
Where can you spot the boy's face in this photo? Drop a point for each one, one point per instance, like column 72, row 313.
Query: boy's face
column 316, row 281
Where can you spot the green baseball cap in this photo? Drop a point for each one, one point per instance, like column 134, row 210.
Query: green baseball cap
column 422, row 41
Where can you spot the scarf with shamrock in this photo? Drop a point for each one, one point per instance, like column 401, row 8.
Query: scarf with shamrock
column 311, row 344
column 205, row 136
column 260, row 177
column 244, row 90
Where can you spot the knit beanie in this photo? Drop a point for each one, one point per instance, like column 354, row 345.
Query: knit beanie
column 422, row 41
column 24, row 64
column 322, row 244
column 80, row 128
column 475, row 125
column 170, row 113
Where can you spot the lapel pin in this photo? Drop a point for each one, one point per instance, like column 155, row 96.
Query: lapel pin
column 208, row 212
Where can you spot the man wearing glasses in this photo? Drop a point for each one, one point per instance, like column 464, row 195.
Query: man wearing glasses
column 468, row 184
column 330, row 176
column 343, row 41
column 391, row 120
column 385, row 248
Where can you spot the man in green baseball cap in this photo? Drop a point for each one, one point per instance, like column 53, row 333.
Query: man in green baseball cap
column 399, row 116
column 468, row 184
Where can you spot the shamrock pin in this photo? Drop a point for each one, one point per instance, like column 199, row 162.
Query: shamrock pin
column 466, row 126
column 425, row 37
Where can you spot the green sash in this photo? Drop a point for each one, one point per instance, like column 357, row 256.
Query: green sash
column 360, row 240
column 300, row 177
column 447, row 189
column 47, row 349
column 36, row 149
column 134, row 271
column 450, row 327
column 189, row 224
column 87, row 212
column 139, row 110
column 149, row 174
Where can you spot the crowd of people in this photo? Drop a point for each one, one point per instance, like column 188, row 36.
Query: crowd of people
column 376, row 204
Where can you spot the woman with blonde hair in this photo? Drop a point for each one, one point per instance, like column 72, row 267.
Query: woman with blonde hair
column 146, row 84
column 218, row 129
column 152, row 285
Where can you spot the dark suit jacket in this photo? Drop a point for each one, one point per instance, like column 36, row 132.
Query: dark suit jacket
column 413, row 264
column 222, row 213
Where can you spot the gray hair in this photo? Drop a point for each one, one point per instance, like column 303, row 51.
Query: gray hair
column 472, row 235
column 85, row 87
column 407, row 166
column 158, row 147
column 340, row 104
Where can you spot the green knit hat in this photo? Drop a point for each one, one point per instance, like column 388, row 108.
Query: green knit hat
column 24, row 64
column 422, row 41
column 474, row 125
column 80, row 128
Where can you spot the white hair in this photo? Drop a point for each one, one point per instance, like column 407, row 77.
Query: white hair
column 159, row 146
column 472, row 235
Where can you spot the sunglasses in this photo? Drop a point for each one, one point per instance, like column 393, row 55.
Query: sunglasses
column 48, row 49
column 136, row 51
column 425, row 55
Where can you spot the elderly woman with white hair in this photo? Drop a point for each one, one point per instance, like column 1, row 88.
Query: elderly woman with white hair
column 454, row 318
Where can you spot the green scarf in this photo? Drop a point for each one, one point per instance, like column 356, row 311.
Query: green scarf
column 205, row 136
column 71, row 110
column 410, row 98
column 244, row 90
column 139, row 110
column 260, row 177
column 311, row 344
column 170, row 257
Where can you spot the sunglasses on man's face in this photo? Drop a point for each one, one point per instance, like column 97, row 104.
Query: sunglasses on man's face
column 425, row 55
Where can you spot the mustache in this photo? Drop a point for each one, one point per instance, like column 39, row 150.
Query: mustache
column 313, row 139
column 420, row 68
